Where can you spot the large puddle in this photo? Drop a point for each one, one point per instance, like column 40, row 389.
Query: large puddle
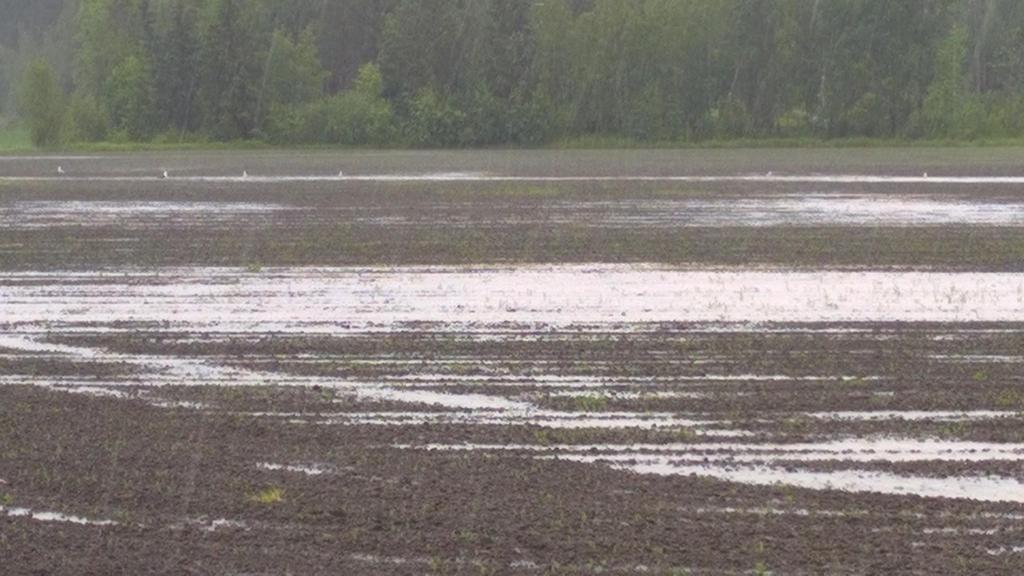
column 308, row 300
column 862, row 210
column 501, row 300
column 30, row 215
column 780, row 464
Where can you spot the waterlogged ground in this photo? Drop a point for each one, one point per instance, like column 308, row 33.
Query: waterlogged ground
column 728, row 362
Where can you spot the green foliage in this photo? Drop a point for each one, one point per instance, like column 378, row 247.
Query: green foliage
column 433, row 121
column 176, row 60
column 360, row 116
column 88, row 120
column 593, row 403
column 294, row 73
column 41, row 103
column 493, row 72
column 943, row 113
column 231, row 74
column 130, row 99
column 268, row 496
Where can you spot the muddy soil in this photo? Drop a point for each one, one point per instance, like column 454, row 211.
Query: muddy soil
column 233, row 441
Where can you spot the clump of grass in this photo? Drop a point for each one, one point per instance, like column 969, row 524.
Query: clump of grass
column 796, row 424
column 686, row 434
column 6, row 500
column 955, row 430
column 268, row 496
column 1010, row 400
column 542, row 437
column 591, row 403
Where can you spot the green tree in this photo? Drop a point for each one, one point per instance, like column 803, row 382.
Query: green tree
column 89, row 120
column 294, row 74
column 176, row 64
column 433, row 121
column 109, row 31
column 949, row 110
column 130, row 98
column 42, row 104
column 231, row 59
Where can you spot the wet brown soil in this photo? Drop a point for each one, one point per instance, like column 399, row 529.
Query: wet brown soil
column 306, row 458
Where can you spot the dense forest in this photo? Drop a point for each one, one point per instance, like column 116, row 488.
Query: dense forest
column 489, row 72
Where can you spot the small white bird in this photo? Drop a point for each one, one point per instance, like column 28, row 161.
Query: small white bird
column 925, row 175
column 165, row 176
column 245, row 174
column 770, row 173
column 341, row 173
column 60, row 170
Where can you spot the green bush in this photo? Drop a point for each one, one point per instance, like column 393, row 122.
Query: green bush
column 131, row 98
column 42, row 104
column 433, row 121
column 796, row 123
column 867, row 117
column 357, row 117
column 731, row 119
column 88, row 121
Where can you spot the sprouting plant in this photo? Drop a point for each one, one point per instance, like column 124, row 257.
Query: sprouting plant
column 542, row 437
column 590, row 403
column 6, row 500
column 955, row 430
column 1010, row 399
column 268, row 496
column 467, row 536
column 686, row 434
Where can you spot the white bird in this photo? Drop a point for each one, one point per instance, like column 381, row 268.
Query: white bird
column 165, row 176
column 925, row 175
column 60, row 170
column 341, row 173
column 770, row 174
column 245, row 174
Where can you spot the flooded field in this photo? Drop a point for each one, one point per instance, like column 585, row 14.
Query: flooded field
column 728, row 362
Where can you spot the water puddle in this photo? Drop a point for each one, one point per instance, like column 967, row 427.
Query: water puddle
column 779, row 464
column 33, row 215
column 864, row 210
column 53, row 517
column 327, row 300
column 309, row 470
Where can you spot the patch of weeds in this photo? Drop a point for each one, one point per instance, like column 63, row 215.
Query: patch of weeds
column 955, row 430
column 796, row 424
column 542, row 437
column 437, row 565
column 467, row 537
column 590, row 403
column 1010, row 400
column 761, row 569
column 268, row 496
column 686, row 434
column 981, row 376
column 254, row 268
column 6, row 500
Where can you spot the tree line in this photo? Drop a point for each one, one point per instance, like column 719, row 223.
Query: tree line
column 521, row 72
